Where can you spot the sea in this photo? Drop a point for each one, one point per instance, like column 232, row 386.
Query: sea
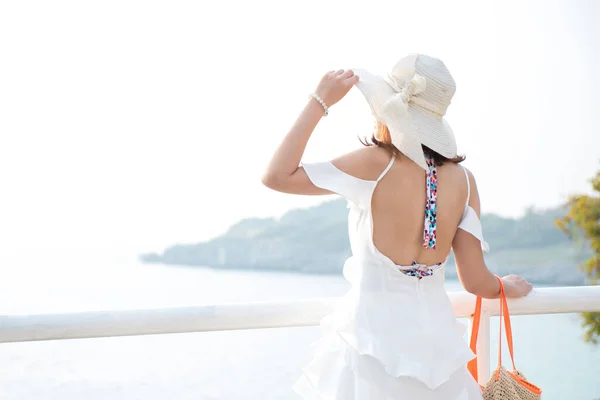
column 235, row 365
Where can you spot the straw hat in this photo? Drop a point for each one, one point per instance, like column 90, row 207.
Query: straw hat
column 412, row 101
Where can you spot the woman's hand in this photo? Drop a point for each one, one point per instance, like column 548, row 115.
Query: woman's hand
column 335, row 85
column 515, row 286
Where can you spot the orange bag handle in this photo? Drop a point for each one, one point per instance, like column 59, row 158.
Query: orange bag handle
column 504, row 315
column 472, row 365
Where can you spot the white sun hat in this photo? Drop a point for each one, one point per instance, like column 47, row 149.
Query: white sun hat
column 412, row 101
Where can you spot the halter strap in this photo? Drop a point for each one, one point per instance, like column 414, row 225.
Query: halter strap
column 385, row 171
column 468, row 186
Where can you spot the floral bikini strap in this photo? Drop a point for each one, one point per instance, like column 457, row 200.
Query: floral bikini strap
column 429, row 235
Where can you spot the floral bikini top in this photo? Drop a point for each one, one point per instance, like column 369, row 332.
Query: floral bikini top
column 430, row 205
column 429, row 227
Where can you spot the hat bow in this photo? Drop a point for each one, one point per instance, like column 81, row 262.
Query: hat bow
column 398, row 104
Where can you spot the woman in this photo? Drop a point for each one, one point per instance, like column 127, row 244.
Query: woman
column 394, row 335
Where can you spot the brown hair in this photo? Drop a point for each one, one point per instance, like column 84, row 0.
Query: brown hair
column 381, row 138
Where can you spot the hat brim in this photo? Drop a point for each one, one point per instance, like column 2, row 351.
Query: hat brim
column 425, row 127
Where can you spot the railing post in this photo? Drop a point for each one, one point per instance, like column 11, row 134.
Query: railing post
column 483, row 348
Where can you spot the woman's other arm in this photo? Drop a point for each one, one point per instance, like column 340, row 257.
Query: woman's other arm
column 283, row 172
column 472, row 271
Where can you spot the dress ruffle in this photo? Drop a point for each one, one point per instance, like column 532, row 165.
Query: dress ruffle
column 338, row 372
column 382, row 342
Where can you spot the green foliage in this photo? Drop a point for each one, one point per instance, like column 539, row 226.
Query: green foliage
column 583, row 222
column 591, row 322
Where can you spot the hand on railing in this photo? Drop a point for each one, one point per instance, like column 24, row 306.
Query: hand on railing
column 515, row 286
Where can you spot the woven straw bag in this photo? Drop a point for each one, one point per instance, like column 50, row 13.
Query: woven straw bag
column 504, row 384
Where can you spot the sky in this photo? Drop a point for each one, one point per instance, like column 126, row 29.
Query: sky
column 140, row 124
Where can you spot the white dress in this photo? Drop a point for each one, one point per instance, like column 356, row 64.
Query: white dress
column 393, row 336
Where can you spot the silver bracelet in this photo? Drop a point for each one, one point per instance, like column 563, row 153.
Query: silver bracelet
column 320, row 100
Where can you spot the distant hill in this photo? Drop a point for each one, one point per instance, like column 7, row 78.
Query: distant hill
column 315, row 240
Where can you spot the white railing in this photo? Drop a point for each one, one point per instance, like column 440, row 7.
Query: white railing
column 20, row 328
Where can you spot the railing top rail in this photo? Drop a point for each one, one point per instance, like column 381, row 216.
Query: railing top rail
column 253, row 315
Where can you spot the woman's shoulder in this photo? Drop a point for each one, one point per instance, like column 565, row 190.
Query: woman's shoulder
column 458, row 170
column 468, row 175
column 364, row 163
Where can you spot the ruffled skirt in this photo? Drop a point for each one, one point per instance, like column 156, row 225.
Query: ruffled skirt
column 390, row 345
column 340, row 372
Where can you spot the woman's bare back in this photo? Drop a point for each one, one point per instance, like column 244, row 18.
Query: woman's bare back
column 398, row 204
column 398, row 208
